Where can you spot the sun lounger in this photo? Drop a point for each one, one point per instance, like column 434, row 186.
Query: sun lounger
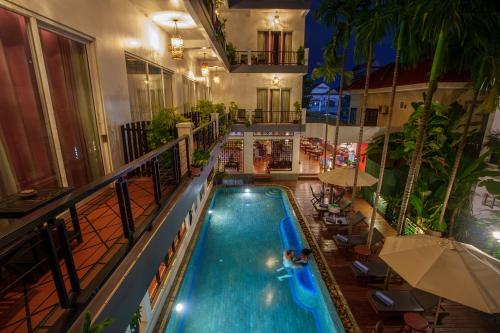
column 354, row 220
column 390, row 303
column 369, row 272
column 347, row 242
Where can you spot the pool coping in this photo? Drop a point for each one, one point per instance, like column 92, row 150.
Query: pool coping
column 341, row 305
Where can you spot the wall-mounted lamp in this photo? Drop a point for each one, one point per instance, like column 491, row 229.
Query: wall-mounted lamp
column 276, row 81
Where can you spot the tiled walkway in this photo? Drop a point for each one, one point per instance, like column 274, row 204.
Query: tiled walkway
column 461, row 319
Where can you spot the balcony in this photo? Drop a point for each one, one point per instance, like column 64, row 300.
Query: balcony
column 262, row 121
column 56, row 260
column 269, row 4
column 270, row 62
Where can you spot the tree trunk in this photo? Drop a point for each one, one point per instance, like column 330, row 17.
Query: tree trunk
column 326, row 129
column 386, row 138
column 458, row 158
column 416, row 158
column 452, row 222
column 339, row 107
column 361, row 125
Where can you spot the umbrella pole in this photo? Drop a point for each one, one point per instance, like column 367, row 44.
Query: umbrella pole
column 436, row 317
column 387, row 278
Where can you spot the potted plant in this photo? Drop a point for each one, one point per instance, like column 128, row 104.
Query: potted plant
column 231, row 53
column 135, row 321
column 248, row 123
column 301, row 52
column 200, row 159
column 298, row 113
column 88, row 327
column 223, row 132
column 162, row 128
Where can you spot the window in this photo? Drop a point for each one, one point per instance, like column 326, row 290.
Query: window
column 149, row 87
column 274, row 47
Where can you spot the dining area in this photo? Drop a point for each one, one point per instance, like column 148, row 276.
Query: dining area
column 314, row 160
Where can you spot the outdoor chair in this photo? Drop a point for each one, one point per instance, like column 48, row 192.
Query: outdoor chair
column 316, row 197
column 241, row 116
column 340, row 222
column 369, row 272
column 345, row 242
column 390, row 303
column 379, row 327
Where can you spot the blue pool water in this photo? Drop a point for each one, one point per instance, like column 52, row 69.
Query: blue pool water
column 231, row 284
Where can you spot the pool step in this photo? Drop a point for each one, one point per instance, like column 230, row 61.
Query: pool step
column 273, row 193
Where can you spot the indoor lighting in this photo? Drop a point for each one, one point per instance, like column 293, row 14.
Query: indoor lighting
column 176, row 44
column 276, row 80
column 204, row 66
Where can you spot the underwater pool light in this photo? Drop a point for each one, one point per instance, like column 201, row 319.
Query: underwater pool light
column 179, row 307
column 210, row 211
column 247, row 190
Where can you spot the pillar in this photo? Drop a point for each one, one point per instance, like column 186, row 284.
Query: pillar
column 185, row 129
column 296, row 153
column 215, row 116
column 248, row 152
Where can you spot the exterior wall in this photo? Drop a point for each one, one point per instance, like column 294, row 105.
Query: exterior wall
column 112, row 35
column 447, row 94
column 242, row 26
column 242, row 88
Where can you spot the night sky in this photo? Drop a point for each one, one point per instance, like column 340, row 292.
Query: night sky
column 317, row 36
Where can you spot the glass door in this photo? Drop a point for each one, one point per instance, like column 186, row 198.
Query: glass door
column 26, row 154
column 69, row 81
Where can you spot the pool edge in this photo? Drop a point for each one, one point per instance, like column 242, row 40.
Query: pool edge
column 343, row 309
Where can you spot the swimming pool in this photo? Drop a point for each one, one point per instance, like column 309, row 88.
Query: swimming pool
column 230, row 283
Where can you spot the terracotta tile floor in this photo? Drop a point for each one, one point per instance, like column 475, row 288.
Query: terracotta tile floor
column 461, row 318
column 102, row 236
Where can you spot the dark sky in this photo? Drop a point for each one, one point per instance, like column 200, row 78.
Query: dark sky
column 317, row 36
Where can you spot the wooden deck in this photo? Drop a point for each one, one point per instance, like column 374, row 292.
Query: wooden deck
column 461, row 319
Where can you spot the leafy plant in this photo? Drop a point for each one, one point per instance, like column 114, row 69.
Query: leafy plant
column 135, row 321
column 233, row 110
column 248, row 123
column 205, row 108
column 220, row 108
column 163, row 127
column 301, row 52
column 201, row 157
column 96, row 328
column 231, row 53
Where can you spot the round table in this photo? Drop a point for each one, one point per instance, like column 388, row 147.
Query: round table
column 362, row 252
column 415, row 322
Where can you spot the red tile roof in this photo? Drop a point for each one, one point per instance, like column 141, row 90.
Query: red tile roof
column 382, row 78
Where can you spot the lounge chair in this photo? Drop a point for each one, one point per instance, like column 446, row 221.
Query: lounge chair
column 369, row 272
column 316, row 198
column 348, row 242
column 401, row 301
column 354, row 220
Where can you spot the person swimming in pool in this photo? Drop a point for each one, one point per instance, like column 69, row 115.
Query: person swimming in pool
column 288, row 264
column 303, row 259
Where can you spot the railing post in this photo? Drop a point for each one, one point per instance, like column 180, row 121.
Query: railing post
column 125, row 209
column 187, row 147
column 53, row 260
column 68, row 256
column 156, row 180
column 215, row 117
column 76, row 223
column 177, row 164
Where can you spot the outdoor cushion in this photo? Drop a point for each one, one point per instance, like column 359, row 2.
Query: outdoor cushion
column 342, row 238
column 384, row 298
column 360, row 266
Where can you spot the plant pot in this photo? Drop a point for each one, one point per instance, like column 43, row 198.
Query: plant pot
column 195, row 171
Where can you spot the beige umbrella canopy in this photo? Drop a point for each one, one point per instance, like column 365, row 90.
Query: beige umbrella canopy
column 344, row 177
column 446, row 268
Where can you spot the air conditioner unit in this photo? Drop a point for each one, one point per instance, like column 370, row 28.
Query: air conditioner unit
column 383, row 109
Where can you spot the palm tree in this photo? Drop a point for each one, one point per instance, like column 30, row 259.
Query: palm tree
column 396, row 13
column 370, row 28
column 340, row 15
column 483, row 64
column 438, row 22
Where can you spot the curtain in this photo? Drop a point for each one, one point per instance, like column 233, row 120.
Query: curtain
column 287, row 48
column 167, row 87
column 155, row 89
column 137, row 89
column 26, row 156
column 275, row 105
column 262, row 99
column 285, row 105
column 69, row 82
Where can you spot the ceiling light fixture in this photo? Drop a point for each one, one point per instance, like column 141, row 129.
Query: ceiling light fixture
column 204, row 66
column 276, row 19
column 176, row 44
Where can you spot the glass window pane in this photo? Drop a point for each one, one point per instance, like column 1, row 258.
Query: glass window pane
column 137, row 89
column 155, row 88
column 26, row 158
column 69, row 81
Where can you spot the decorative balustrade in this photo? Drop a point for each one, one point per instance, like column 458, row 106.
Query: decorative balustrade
column 285, row 58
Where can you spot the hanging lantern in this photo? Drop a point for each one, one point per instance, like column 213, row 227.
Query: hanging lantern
column 216, row 78
column 176, row 44
column 204, row 67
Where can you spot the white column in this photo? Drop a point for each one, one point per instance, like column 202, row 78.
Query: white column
column 303, row 117
column 185, row 129
column 215, row 116
column 248, row 152
column 296, row 153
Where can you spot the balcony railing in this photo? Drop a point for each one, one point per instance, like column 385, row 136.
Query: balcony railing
column 53, row 261
column 268, row 117
column 285, row 58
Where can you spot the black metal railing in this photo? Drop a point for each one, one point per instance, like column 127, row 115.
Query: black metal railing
column 53, row 261
column 205, row 137
column 276, row 117
column 287, row 58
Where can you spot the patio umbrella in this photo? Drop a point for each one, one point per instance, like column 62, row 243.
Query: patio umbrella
column 446, row 268
column 344, row 177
